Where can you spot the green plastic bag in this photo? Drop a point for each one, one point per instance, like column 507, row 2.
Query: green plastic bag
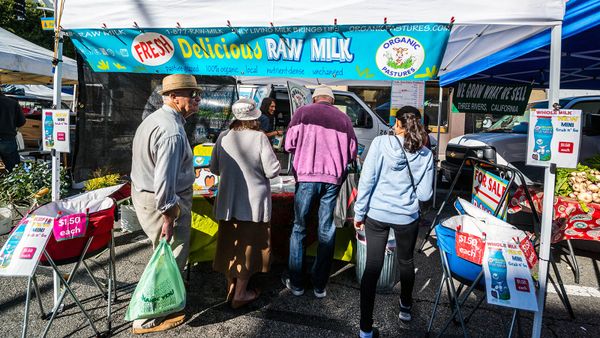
column 160, row 291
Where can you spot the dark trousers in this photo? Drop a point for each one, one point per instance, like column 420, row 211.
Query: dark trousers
column 306, row 193
column 377, row 236
column 9, row 153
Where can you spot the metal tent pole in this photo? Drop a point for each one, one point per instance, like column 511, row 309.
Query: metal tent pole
column 437, row 147
column 56, row 100
column 549, row 181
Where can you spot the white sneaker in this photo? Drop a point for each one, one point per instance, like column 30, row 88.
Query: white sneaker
column 320, row 293
column 404, row 314
column 288, row 284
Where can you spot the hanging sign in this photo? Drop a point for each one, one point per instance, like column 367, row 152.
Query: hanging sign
column 56, row 130
column 406, row 93
column 491, row 98
column 47, row 24
column 21, row 252
column 357, row 52
column 554, row 137
column 507, row 277
column 488, row 190
column 70, row 227
column 469, row 247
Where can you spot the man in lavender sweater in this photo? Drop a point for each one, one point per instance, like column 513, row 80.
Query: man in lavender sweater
column 323, row 143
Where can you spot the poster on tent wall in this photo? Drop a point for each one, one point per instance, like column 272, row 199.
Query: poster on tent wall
column 55, row 134
column 491, row 98
column 299, row 96
column 507, row 277
column 357, row 52
column 406, row 93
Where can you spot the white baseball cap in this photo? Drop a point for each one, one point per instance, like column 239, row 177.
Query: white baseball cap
column 323, row 90
column 245, row 110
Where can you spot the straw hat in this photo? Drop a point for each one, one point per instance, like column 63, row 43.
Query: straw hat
column 323, row 90
column 178, row 81
column 245, row 110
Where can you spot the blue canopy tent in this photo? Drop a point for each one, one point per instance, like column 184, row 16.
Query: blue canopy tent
column 528, row 61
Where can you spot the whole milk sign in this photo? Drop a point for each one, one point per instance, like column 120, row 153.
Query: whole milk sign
column 554, row 137
column 362, row 52
column 488, row 190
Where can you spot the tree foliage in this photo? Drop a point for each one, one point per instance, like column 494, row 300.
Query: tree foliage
column 30, row 29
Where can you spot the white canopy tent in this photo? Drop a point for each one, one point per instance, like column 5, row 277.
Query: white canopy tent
column 24, row 62
column 518, row 20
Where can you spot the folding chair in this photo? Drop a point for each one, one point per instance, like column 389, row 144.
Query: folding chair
column 100, row 210
column 468, row 274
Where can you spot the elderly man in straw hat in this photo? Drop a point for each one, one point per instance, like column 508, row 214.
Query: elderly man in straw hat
column 162, row 174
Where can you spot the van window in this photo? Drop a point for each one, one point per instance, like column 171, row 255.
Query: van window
column 590, row 112
column 358, row 115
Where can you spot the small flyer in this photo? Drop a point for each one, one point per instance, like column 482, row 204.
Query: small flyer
column 507, row 276
column 554, row 137
column 55, row 134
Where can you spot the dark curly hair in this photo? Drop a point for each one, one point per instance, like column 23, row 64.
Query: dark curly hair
column 265, row 104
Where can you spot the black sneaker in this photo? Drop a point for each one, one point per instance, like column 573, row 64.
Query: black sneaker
column 288, row 284
column 404, row 314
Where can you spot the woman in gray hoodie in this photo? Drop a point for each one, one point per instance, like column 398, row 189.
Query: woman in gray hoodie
column 396, row 175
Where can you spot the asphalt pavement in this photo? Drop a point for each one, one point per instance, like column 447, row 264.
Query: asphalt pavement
column 278, row 313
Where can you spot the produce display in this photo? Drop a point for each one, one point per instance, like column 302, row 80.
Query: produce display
column 581, row 183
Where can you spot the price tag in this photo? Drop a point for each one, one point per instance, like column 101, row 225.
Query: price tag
column 469, row 247
column 69, row 227
column 529, row 252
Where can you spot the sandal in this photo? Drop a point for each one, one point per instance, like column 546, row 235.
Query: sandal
column 169, row 322
column 236, row 304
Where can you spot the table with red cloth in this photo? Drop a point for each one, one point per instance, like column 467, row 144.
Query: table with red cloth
column 571, row 220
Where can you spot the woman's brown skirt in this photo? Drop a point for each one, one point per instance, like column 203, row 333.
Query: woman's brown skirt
column 243, row 248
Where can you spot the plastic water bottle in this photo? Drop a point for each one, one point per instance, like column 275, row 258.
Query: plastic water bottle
column 49, row 130
column 542, row 135
column 497, row 265
column 11, row 245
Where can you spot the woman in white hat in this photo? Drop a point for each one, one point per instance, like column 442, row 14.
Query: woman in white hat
column 245, row 161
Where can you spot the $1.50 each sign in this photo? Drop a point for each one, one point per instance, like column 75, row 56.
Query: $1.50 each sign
column 70, row 226
column 469, row 247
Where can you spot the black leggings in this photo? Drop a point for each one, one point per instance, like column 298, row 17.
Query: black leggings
column 377, row 236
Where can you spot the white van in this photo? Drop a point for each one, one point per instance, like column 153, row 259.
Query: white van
column 505, row 142
column 367, row 125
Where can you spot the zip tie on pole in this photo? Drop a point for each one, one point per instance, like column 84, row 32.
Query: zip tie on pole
column 337, row 29
column 451, row 23
column 138, row 27
column 385, row 26
column 116, row 36
column 178, row 25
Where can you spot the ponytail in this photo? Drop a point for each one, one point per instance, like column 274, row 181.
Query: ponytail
column 414, row 136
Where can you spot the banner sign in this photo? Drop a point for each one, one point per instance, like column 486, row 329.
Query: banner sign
column 21, row 252
column 406, row 93
column 56, row 130
column 554, row 137
column 507, row 277
column 357, row 52
column 491, row 98
column 488, row 190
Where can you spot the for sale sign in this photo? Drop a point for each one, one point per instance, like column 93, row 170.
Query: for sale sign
column 488, row 190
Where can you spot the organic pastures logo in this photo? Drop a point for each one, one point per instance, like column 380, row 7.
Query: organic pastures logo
column 400, row 56
column 152, row 49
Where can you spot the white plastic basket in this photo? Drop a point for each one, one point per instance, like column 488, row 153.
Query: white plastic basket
column 129, row 220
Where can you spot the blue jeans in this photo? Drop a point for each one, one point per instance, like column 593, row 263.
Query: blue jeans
column 9, row 153
column 306, row 193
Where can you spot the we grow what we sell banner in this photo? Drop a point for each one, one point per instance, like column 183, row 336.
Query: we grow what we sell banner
column 361, row 52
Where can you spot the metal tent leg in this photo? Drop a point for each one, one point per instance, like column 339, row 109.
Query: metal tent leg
column 573, row 261
column 26, row 314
